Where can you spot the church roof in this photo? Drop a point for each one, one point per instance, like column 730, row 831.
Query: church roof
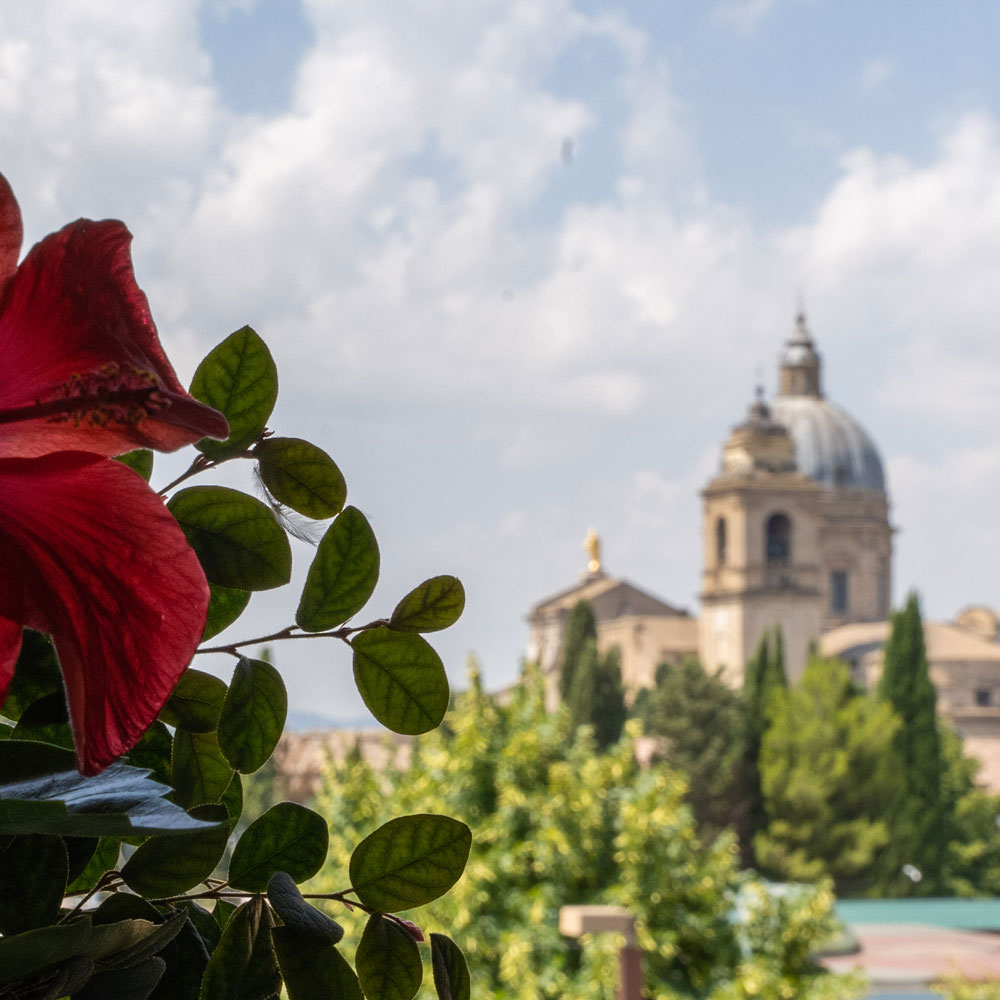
column 609, row 597
column 830, row 446
column 946, row 642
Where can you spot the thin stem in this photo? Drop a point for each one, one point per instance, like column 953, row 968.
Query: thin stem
column 200, row 464
column 106, row 880
column 293, row 632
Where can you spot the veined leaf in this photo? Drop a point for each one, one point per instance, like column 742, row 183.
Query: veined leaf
column 239, row 378
column 195, row 702
column 253, row 715
column 236, row 538
column 401, row 680
column 201, row 773
column 313, row 971
column 451, row 971
column 343, row 573
column 410, row 861
column 436, row 604
column 301, row 476
column 288, row 838
column 388, row 961
column 225, row 605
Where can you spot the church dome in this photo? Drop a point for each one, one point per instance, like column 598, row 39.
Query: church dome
column 830, row 446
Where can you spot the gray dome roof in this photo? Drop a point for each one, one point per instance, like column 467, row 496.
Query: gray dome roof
column 830, row 446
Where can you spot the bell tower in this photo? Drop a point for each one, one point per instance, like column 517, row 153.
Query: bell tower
column 760, row 538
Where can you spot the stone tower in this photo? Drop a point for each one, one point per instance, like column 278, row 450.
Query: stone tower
column 795, row 526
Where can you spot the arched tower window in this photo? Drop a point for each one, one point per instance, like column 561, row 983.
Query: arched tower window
column 778, row 540
column 720, row 541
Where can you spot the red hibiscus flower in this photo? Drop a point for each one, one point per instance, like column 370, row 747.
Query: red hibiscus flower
column 88, row 552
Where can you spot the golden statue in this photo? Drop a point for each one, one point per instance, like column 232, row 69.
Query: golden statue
column 592, row 545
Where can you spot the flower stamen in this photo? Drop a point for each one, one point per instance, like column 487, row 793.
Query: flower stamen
column 112, row 395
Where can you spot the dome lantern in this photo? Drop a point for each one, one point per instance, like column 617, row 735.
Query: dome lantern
column 800, row 363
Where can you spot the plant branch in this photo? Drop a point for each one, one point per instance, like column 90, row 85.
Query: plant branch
column 294, row 632
column 202, row 463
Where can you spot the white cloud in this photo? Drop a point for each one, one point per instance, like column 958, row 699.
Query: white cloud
column 743, row 15
column 496, row 383
column 876, row 73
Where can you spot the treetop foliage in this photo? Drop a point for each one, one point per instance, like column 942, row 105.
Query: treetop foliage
column 558, row 821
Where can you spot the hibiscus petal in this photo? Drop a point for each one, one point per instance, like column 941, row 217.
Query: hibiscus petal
column 74, row 324
column 11, row 232
column 89, row 554
column 10, row 648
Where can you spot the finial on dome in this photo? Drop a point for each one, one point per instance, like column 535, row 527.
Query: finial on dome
column 800, row 362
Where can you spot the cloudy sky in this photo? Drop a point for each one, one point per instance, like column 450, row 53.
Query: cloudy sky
column 521, row 262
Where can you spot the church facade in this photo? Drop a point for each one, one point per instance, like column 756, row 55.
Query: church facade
column 796, row 532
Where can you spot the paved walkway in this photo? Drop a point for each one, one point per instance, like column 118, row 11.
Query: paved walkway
column 899, row 956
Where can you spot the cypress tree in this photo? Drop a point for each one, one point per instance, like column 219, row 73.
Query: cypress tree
column 581, row 628
column 763, row 675
column 922, row 825
column 597, row 697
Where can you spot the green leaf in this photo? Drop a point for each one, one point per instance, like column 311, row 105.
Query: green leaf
column 153, row 751
column 243, row 966
column 186, row 957
column 436, row 604
column 134, row 982
column 165, row 866
column 343, row 573
column 313, row 971
column 140, row 460
column 303, row 920
column 33, row 873
column 253, row 715
column 222, row 911
column 102, row 860
column 288, row 838
column 239, row 378
column 225, row 605
column 201, row 773
column 124, row 906
column 204, row 922
column 79, row 851
column 41, row 791
column 451, row 971
column 46, row 721
column 410, row 861
column 301, row 476
column 388, row 961
column 401, row 680
column 24, row 954
column 233, row 801
column 195, row 702
column 235, row 536
column 36, row 674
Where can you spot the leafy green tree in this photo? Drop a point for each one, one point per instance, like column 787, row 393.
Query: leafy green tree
column 972, row 864
column 829, row 773
column 557, row 822
column 702, row 723
column 597, row 697
column 922, row 822
column 763, row 675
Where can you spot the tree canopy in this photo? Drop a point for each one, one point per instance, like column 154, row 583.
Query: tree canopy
column 559, row 822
